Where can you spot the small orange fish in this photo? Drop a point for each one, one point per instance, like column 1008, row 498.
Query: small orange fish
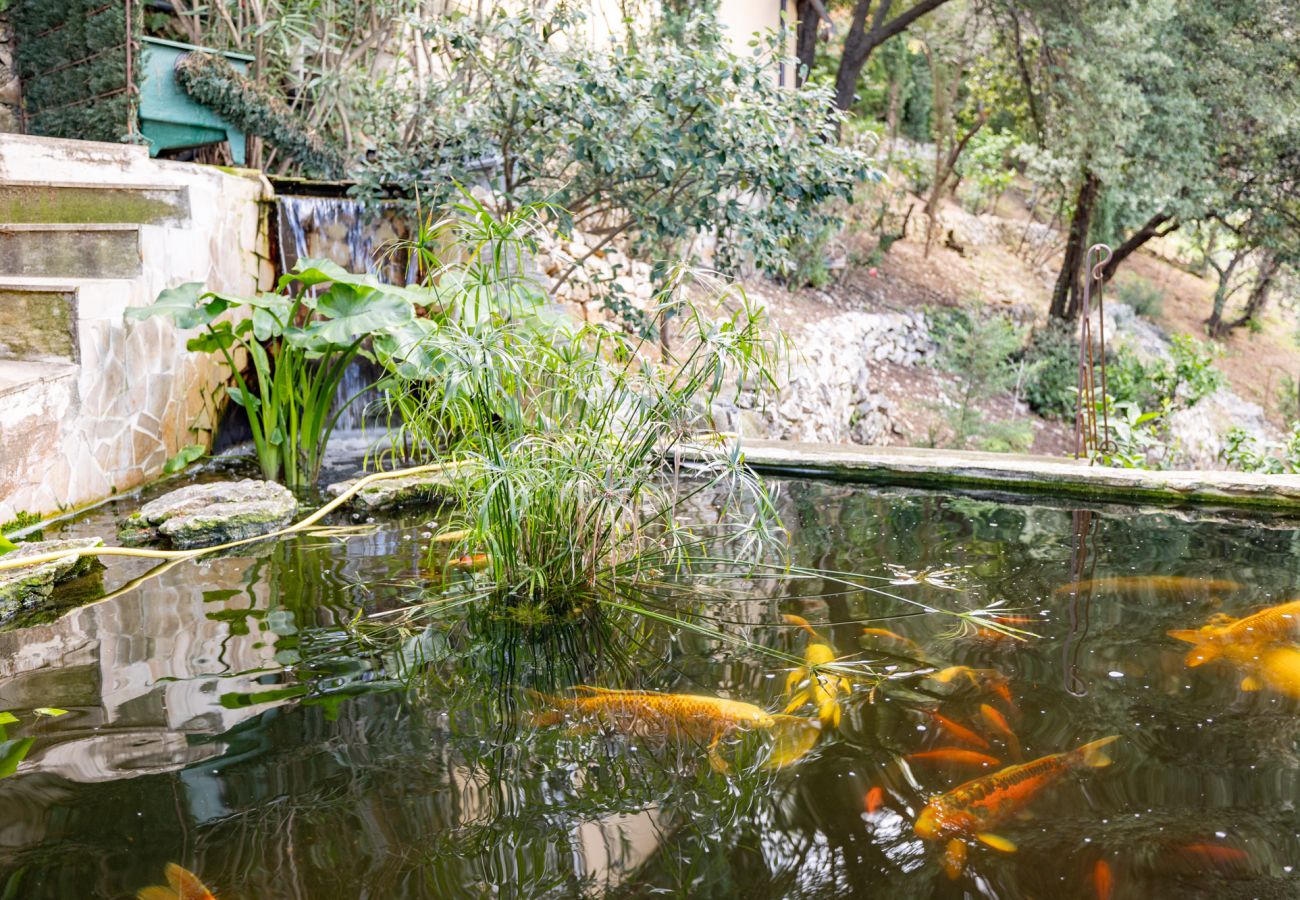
column 959, row 732
column 182, row 884
column 1217, row 855
column 652, row 713
column 1225, row 636
column 875, row 799
column 1103, row 880
column 1162, row 585
column 972, row 809
column 889, row 635
column 995, row 721
column 958, row 756
column 1014, row 620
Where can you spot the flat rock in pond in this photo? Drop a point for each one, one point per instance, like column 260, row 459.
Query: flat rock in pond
column 27, row 586
column 201, row 515
column 431, row 487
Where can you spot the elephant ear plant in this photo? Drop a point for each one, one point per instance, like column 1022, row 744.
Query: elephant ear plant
column 299, row 341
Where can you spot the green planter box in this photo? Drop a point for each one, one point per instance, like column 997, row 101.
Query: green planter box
column 168, row 117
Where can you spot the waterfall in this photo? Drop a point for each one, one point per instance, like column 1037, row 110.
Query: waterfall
column 352, row 233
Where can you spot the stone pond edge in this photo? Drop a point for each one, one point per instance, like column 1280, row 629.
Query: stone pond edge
column 920, row 467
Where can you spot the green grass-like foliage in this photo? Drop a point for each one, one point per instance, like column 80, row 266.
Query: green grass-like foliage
column 299, row 341
column 563, row 428
column 212, row 81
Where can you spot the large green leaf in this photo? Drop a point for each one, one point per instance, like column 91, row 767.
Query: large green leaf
column 348, row 313
column 408, row 348
column 12, row 753
column 187, row 305
column 311, row 272
column 6, row 545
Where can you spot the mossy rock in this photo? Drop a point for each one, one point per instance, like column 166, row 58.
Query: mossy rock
column 413, row 490
column 202, row 515
column 30, row 586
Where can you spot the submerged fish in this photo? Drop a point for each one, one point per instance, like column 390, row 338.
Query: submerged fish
column 1226, row 636
column 875, row 799
column 1164, row 585
column 1103, row 880
column 894, row 636
column 990, row 680
column 1277, row 668
column 470, row 562
column 998, row 723
column 806, row 683
column 972, row 809
column 182, row 884
column 1217, row 855
column 955, row 755
column 959, row 732
column 694, row 716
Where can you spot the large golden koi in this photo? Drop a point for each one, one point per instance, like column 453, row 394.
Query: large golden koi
column 693, row 716
column 1226, row 636
column 805, row 683
column 972, row 809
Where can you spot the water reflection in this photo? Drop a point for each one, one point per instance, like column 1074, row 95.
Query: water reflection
column 233, row 716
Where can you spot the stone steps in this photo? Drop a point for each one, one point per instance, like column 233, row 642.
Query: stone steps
column 65, row 250
column 49, row 202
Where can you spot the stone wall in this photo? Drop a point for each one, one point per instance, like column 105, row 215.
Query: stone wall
column 9, row 97
column 76, row 430
column 830, row 395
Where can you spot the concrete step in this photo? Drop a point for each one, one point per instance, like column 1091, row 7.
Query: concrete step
column 70, row 251
column 38, row 321
column 44, row 202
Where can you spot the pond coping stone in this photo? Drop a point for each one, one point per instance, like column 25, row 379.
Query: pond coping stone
column 923, row 467
column 201, row 515
column 27, row 586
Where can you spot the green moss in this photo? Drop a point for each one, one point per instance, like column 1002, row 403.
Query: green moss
column 23, row 519
column 41, row 204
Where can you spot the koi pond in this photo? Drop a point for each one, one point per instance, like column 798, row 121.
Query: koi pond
column 272, row 721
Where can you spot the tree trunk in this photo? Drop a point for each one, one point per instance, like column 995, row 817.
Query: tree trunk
column 1223, row 291
column 861, row 41
column 1067, row 296
column 1152, row 229
column 1269, row 267
column 805, row 43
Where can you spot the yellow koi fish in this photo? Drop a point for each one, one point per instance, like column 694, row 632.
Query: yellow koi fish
column 1162, row 585
column 972, row 809
column 1226, row 636
column 649, row 713
column 806, row 684
column 182, row 884
column 1276, row 668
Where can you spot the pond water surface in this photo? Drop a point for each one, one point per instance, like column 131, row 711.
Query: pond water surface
column 224, row 716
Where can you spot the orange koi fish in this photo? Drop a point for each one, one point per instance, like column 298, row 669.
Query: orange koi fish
column 959, row 756
column 693, row 716
column 1103, row 880
column 1224, row 635
column 893, row 636
column 989, row 680
column 959, row 732
column 1217, row 855
column 997, row 723
column 972, row 809
column 806, row 684
column 182, row 884
column 875, row 799
column 1162, row 585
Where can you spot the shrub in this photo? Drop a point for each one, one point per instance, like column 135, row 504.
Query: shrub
column 1243, row 452
column 1051, row 389
column 1140, row 294
column 980, row 348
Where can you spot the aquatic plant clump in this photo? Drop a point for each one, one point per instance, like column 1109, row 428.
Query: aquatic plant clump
column 563, row 427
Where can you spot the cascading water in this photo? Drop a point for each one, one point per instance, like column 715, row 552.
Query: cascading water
column 353, row 234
